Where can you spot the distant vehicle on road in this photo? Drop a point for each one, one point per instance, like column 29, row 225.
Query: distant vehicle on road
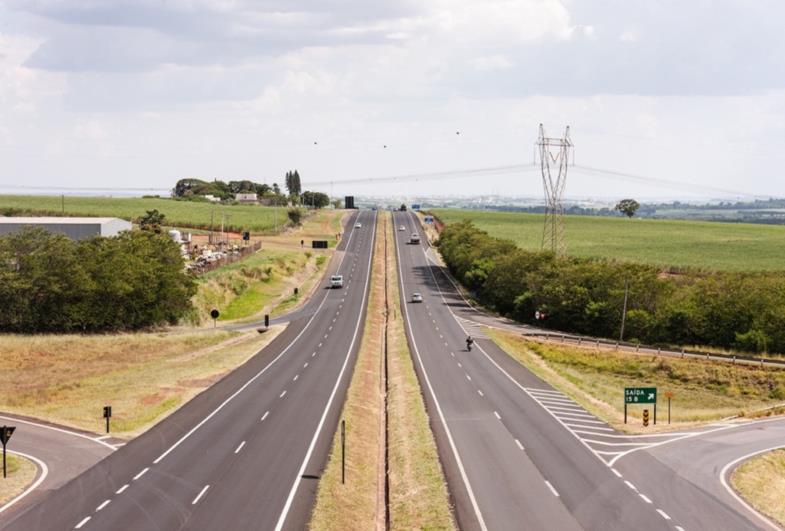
column 415, row 238
column 336, row 281
column 358, row 225
column 401, row 228
column 416, row 297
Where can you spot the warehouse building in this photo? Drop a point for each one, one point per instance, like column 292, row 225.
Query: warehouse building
column 74, row 228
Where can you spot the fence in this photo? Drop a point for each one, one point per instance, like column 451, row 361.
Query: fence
column 200, row 268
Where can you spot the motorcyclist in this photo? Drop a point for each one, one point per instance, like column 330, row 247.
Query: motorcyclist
column 469, row 343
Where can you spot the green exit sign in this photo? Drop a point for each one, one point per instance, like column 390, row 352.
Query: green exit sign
column 640, row 395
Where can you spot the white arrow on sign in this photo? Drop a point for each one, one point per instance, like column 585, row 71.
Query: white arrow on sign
column 651, row 396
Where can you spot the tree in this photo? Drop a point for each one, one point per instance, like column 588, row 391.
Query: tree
column 292, row 182
column 295, row 215
column 628, row 207
column 315, row 199
column 337, row 203
column 152, row 221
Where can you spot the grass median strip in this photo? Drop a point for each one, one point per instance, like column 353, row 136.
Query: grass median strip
column 418, row 496
column 21, row 473
column 761, row 481
column 67, row 379
column 703, row 391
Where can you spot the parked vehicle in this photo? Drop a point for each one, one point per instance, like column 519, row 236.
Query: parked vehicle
column 336, row 281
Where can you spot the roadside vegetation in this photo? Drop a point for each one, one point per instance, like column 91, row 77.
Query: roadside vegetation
column 761, row 481
column 264, row 282
column 418, row 496
column 702, row 390
column 67, row 379
column 49, row 283
column 732, row 310
column 666, row 244
column 21, row 473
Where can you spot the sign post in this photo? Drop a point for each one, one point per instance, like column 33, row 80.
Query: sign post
column 267, row 320
column 107, row 416
column 215, row 314
column 669, row 394
column 640, row 395
column 5, row 435
column 343, row 452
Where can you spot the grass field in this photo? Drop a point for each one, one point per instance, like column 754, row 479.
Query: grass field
column 761, row 481
column 702, row 244
column 178, row 213
column 67, row 379
column 703, row 390
column 21, row 473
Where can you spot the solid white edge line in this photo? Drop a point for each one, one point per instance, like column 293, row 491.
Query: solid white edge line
column 457, row 456
column 553, row 490
column 83, row 522
column 508, row 375
column 104, row 504
column 732, row 492
column 290, row 498
column 199, row 496
column 44, row 471
column 61, row 430
column 258, row 374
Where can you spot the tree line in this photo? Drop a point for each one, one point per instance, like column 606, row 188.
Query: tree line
column 196, row 189
column 738, row 310
column 49, row 283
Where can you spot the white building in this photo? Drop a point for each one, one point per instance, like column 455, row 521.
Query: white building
column 246, row 198
column 74, row 228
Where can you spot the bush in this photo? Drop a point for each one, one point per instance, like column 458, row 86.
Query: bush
column 295, row 215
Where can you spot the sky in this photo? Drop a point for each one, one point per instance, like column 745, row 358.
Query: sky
column 141, row 93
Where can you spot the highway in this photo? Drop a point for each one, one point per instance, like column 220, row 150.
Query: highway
column 519, row 454
column 247, row 452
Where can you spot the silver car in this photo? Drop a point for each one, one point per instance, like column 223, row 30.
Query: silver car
column 416, row 297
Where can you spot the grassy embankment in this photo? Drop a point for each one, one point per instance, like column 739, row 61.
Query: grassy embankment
column 761, row 481
column 67, row 379
column 666, row 243
column 418, row 494
column 703, row 390
column 194, row 214
column 21, row 473
column 265, row 282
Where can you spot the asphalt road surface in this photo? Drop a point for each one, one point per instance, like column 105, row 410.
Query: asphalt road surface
column 517, row 453
column 61, row 455
column 246, row 453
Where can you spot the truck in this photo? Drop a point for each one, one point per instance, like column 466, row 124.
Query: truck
column 336, row 281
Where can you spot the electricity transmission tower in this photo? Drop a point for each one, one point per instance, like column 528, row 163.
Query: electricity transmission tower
column 554, row 160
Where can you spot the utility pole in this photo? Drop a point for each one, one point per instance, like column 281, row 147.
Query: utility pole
column 554, row 161
column 624, row 308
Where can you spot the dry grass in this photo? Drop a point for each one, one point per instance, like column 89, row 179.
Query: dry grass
column 761, row 481
column 418, row 490
column 67, row 379
column 21, row 473
column 704, row 391
column 355, row 504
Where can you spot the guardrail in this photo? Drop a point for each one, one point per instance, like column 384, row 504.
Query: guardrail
column 638, row 348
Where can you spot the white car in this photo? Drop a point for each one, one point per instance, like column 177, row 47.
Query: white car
column 416, row 297
column 401, row 228
column 336, row 281
column 358, row 225
column 415, row 238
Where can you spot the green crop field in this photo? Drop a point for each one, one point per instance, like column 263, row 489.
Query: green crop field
column 702, row 244
column 178, row 213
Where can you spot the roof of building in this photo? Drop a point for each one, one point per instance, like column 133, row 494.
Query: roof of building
column 55, row 220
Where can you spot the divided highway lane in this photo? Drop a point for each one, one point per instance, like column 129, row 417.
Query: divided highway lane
column 510, row 463
column 246, row 453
